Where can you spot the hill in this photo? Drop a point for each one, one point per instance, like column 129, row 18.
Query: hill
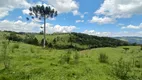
column 137, row 40
column 22, row 61
column 77, row 41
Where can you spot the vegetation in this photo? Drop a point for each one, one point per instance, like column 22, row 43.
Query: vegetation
column 42, row 12
column 103, row 58
column 126, row 49
column 31, row 62
column 4, row 58
column 31, row 39
column 76, row 41
column 121, row 69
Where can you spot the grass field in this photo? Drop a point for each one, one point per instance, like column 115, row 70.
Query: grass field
column 28, row 62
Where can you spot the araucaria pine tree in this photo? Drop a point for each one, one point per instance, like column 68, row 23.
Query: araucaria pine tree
column 42, row 13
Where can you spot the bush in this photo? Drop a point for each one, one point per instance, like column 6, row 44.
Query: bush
column 4, row 58
column 32, row 50
column 126, row 49
column 30, row 39
column 14, row 37
column 138, row 63
column 76, row 57
column 103, row 58
column 14, row 46
column 50, row 45
column 66, row 58
column 43, row 41
column 121, row 69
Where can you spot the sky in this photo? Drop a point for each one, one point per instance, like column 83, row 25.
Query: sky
column 111, row 18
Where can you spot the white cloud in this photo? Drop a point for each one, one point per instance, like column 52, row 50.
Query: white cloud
column 132, row 27
column 64, row 29
column 20, row 17
column 64, row 6
column 82, row 16
column 78, row 21
column 116, row 9
column 93, row 32
column 14, row 3
column 26, row 11
column 58, row 28
column 77, row 13
column 36, row 20
column 85, row 12
column 9, row 5
column 52, row 19
column 18, row 26
column 120, row 8
column 4, row 12
column 104, row 20
column 112, row 34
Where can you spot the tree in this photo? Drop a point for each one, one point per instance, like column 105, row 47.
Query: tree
column 42, row 12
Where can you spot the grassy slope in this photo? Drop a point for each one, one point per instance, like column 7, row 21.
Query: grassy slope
column 30, row 62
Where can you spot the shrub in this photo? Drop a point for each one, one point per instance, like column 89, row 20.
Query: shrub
column 103, row 58
column 121, row 69
column 76, row 57
column 4, row 55
column 32, row 50
column 43, row 41
column 31, row 39
column 50, row 45
column 141, row 47
column 126, row 49
column 54, row 41
column 138, row 63
column 14, row 37
column 66, row 58
column 41, row 32
column 14, row 46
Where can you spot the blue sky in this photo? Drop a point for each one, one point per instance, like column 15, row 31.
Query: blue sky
column 93, row 17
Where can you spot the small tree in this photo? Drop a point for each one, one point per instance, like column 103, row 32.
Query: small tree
column 103, row 58
column 42, row 12
column 141, row 47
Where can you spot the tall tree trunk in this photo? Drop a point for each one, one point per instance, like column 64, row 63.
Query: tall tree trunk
column 44, row 32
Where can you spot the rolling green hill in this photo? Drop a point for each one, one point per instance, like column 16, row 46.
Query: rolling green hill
column 77, row 41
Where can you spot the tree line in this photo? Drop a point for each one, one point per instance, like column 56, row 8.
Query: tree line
column 72, row 41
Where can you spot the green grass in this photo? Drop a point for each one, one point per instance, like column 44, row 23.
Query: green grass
column 34, row 63
column 28, row 62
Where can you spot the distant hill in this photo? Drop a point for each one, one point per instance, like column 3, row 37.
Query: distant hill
column 137, row 40
column 77, row 41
